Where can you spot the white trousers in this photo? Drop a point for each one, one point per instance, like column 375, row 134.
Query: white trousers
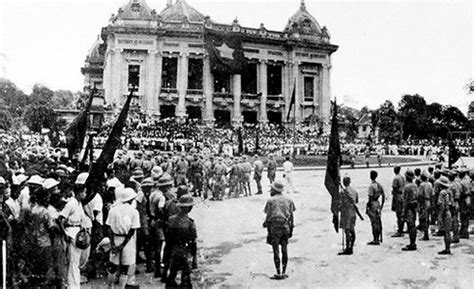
column 289, row 183
column 74, row 274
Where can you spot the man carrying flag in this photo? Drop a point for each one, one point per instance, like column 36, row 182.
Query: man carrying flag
column 346, row 200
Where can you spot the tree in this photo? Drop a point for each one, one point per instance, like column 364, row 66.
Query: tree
column 349, row 117
column 63, row 99
column 37, row 118
column 412, row 111
column 41, row 96
column 5, row 119
column 389, row 123
column 14, row 100
column 453, row 118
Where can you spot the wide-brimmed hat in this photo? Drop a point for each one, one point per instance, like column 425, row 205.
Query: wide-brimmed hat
column 148, row 182
column 156, row 173
column 186, row 201
column 82, row 178
column 410, row 173
column 278, row 186
column 182, row 190
column 138, row 173
column 35, row 180
column 443, row 181
column 165, row 180
column 50, row 183
column 126, row 195
column 2, row 181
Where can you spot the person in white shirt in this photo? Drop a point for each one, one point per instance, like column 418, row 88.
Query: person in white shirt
column 70, row 220
column 288, row 171
column 123, row 222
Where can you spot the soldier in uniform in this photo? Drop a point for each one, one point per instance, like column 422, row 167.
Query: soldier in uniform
column 455, row 188
column 464, row 203
column 374, row 208
column 348, row 214
column 257, row 175
column 181, row 235
column 196, row 170
column 246, row 172
column 425, row 192
column 157, row 203
column 219, row 172
column 410, row 206
column 271, row 168
column 445, row 202
column 181, row 170
column 398, row 184
column 279, row 222
column 234, row 177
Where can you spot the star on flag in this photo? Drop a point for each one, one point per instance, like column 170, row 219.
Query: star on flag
column 225, row 51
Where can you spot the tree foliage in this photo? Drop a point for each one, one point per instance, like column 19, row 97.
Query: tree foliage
column 37, row 118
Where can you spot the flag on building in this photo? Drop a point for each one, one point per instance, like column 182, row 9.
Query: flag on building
column 76, row 132
column 332, row 179
column 292, row 102
column 225, row 50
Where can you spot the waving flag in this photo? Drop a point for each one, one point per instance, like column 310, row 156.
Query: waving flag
column 292, row 102
column 225, row 52
column 454, row 153
column 332, row 179
column 76, row 132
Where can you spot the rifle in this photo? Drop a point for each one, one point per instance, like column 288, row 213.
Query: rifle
column 351, row 201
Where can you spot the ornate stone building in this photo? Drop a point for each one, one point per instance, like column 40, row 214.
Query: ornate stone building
column 165, row 55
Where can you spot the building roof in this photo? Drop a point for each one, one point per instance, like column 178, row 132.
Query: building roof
column 365, row 119
column 135, row 9
column 303, row 22
column 95, row 54
column 180, row 11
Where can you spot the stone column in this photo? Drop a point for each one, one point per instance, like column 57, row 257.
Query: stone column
column 116, row 84
column 237, row 93
column 156, row 96
column 182, row 85
column 108, row 68
column 325, row 105
column 297, row 83
column 263, row 90
column 208, row 89
column 149, row 97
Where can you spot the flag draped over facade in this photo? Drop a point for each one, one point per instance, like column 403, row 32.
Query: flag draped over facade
column 241, row 141
column 225, row 50
column 292, row 102
column 108, row 151
column 76, row 132
column 332, row 179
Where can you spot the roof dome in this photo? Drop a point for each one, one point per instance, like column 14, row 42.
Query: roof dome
column 96, row 54
column 303, row 22
column 135, row 9
column 179, row 11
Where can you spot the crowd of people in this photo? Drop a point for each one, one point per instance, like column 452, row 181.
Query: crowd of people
column 59, row 230
column 439, row 198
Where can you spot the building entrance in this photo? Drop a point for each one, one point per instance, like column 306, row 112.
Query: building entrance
column 250, row 116
column 167, row 111
column 274, row 117
column 222, row 117
column 194, row 112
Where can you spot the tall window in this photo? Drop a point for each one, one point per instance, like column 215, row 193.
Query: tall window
column 249, row 79
column 274, row 79
column 133, row 76
column 169, row 74
column 195, row 73
column 221, row 83
column 308, row 88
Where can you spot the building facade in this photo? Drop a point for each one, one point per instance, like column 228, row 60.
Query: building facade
column 165, row 57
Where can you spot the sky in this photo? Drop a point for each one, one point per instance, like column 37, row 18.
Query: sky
column 387, row 48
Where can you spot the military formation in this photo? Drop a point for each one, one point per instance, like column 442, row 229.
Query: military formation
column 434, row 202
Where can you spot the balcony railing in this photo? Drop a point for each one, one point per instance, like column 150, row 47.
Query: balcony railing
column 168, row 90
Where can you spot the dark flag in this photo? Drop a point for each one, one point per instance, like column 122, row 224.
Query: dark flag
column 106, row 157
column 454, row 153
column 76, row 132
column 241, row 141
column 292, row 102
column 257, row 141
column 332, row 179
column 225, row 50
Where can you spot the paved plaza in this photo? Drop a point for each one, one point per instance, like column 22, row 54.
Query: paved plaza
column 233, row 252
